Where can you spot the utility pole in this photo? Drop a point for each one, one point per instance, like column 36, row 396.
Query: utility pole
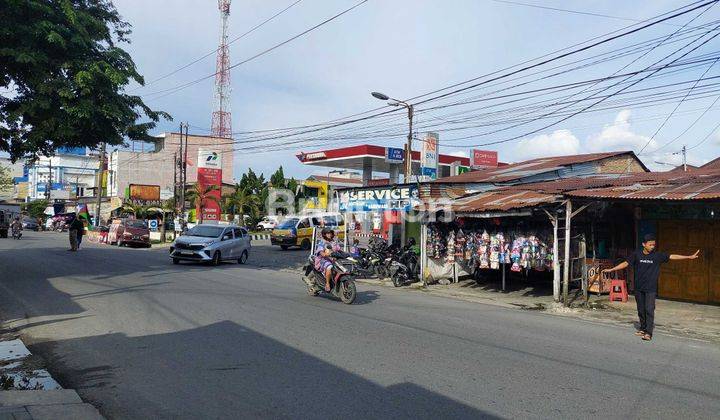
column 183, row 172
column 684, row 154
column 99, row 184
column 49, row 183
column 408, row 159
column 181, row 204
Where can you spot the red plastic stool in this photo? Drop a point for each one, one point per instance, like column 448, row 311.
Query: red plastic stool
column 618, row 290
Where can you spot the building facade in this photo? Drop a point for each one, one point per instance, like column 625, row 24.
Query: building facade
column 67, row 175
column 158, row 167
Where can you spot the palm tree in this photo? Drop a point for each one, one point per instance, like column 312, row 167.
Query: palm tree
column 136, row 210
column 242, row 202
column 198, row 195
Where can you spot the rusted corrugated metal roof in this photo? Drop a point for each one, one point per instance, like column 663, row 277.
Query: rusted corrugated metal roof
column 504, row 200
column 528, row 168
column 686, row 191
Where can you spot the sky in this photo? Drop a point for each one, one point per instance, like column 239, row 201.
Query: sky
column 402, row 48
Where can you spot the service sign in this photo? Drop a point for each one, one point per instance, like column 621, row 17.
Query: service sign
column 483, row 158
column 429, row 155
column 394, row 155
column 378, row 199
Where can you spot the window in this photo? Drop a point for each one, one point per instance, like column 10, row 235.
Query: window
column 239, row 233
column 227, row 235
column 316, row 221
column 205, row 231
column 304, row 223
column 288, row 224
column 330, row 221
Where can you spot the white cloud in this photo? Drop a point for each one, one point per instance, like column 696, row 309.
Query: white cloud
column 619, row 136
column 559, row 143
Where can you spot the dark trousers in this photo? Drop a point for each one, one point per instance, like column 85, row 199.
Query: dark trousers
column 646, row 310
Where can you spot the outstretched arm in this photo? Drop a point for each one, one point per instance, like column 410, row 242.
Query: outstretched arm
column 623, row 265
column 685, row 257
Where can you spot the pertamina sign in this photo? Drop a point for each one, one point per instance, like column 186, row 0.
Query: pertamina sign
column 210, row 173
column 483, row 159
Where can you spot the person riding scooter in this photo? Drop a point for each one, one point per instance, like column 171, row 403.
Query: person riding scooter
column 324, row 247
column 16, row 228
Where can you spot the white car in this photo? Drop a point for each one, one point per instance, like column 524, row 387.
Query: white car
column 267, row 223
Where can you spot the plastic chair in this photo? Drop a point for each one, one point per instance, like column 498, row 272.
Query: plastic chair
column 618, row 290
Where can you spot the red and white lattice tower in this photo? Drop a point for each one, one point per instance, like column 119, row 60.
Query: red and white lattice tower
column 221, row 118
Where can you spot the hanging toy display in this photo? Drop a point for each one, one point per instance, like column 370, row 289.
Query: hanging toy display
column 485, row 250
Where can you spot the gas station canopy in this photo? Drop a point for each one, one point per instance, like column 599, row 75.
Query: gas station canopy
column 367, row 156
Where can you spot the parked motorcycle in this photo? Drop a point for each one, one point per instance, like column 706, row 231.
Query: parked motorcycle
column 342, row 283
column 405, row 269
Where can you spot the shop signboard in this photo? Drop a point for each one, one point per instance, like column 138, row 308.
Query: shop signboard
column 429, row 156
column 394, row 155
column 463, row 169
column 379, row 199
column 483, row 159
column 210, row 173
column 153, row 224
column 143, row 193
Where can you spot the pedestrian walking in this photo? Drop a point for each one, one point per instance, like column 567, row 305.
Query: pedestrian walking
column 646, row 264
column 76, row 230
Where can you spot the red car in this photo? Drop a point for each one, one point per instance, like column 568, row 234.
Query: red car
column 129, row 232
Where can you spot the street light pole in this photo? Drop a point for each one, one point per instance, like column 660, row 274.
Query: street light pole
column 408, row 147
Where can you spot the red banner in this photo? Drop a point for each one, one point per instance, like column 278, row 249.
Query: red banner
column 210, row 173
column 484, row 158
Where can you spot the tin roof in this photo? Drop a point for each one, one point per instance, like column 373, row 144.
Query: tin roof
column 515, row 171
column 501, row 200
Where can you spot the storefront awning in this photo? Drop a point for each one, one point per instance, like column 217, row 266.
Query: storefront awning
column 502, row 201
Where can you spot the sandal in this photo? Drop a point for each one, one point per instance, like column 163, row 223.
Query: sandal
column 640, row 333
column 327, row 288
column 647, row 337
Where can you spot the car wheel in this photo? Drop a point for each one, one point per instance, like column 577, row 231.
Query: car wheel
column 305, row 244
column 284, row 247
column 243, row 257
column 216, row 258
column 176, row 261
column 120, row 243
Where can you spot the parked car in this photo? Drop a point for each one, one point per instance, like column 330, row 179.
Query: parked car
column 29, row 223
column 267, row 223
column 129, row 232
column 213, row 244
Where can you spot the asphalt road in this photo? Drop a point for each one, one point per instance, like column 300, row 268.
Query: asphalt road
column 142, row 338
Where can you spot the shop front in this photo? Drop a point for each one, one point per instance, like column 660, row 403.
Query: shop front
column 385, row 212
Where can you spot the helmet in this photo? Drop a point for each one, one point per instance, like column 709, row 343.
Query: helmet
column 411, row 242
column 326, row 231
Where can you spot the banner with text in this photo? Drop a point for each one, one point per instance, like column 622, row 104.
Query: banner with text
column 209, row 173
column 429, row 156
column 483, row 159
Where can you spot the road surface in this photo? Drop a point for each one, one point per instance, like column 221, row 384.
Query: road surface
column 139, row 337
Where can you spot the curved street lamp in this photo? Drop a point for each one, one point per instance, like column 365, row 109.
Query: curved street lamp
column 408, row 147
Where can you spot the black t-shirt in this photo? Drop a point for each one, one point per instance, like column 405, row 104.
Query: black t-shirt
column 647, row 269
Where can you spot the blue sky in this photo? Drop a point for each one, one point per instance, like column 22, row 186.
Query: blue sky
column 403, row 48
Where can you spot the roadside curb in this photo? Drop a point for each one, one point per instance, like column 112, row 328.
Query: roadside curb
column 36, row 395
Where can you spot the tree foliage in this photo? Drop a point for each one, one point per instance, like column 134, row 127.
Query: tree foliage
column 198, row 195
column 243, row 202
column 6, row 181
column 65, row 77
column 36, row 209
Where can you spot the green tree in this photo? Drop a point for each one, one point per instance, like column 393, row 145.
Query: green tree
column 243, row 202
column 67, row 76
column 137, row 210
column 198, row 195
column 277, row 180
column 36, row 209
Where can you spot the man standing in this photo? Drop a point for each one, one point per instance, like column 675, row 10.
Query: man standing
column 76, row 229
column 646, row 263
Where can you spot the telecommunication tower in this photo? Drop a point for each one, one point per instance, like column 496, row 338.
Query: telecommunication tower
column 221, row 118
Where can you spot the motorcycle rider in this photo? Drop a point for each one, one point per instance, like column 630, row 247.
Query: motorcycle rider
column 16, row 225
column 324, row 247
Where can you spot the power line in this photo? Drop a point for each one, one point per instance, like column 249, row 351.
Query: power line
column 239, row 37
column 175, row 89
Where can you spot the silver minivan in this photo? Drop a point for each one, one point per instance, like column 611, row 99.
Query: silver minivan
column 213, row 244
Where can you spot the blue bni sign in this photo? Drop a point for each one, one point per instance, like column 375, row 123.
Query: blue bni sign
column 394, row 155
column 153, row 224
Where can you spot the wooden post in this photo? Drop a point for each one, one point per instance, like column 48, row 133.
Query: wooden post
column 423, row 252
column 556, row 261
column 566, row 266
column 502, row 267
